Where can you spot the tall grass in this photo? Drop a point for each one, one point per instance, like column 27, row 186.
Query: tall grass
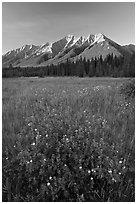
column 71, row 141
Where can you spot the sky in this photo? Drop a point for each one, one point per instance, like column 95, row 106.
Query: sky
column 41, row 22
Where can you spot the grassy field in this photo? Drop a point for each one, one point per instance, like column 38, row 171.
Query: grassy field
column 68, row 139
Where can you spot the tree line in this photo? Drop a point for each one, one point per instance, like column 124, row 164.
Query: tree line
column 111, row 66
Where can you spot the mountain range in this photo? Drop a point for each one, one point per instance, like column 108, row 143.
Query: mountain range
column 67, row 48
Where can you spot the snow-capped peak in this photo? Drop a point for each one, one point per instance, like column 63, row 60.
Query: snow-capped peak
column 9, row 52
column 82, row 39
column 69, row 39
column 23, row 47
column 44, row 48
column 90, row 38
column 31, row 46
column 78, row 41
column 99, row 37
column 69, row 36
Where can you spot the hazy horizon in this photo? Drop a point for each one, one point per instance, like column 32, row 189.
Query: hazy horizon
column 41, row 22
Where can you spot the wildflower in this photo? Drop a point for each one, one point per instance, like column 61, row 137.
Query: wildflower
column 44, row 159
column 48, row 184
column 67, row 140
column 33, row 143
column 37, row 137
column 104, row 122
column 65, row 165
column 35, row 129
column 50, row 177
column 110, row 171
column 29, row 124
column 46, row 135
column 120, row 162
column 93, row 170
column 31, row 160
column 119, row 173
column 89, row 171
column 6, row 158
column 91, row 178
column 113, row 180
column 80, row 167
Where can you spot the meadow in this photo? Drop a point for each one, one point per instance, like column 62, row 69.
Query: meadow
column 68, row 139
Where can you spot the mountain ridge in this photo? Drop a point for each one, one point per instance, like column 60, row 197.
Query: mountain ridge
column 66, row 48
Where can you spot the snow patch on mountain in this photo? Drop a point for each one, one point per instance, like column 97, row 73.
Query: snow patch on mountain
column 23, row 47
column 44, row 48
column 79, row 41
column 99, row 38
column 90, row 39
column 69, row 38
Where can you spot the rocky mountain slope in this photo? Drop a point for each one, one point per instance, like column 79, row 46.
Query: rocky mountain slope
column 69, row 47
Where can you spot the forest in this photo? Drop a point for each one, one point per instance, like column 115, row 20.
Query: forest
column 111, row 66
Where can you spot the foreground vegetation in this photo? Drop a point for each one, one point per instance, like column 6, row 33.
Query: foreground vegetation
column 68, row 139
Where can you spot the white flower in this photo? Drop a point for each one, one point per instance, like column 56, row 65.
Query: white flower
column 29, row 124
column 120, row 162
column 113, row 180
column 110, row 171
column 50, row 177
column 48, row 184
column 80, row 167
column 89, row 171
column 33, row 143
column 93, row 170
column 67, row 139
column 91, row 178
column 31, row 160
